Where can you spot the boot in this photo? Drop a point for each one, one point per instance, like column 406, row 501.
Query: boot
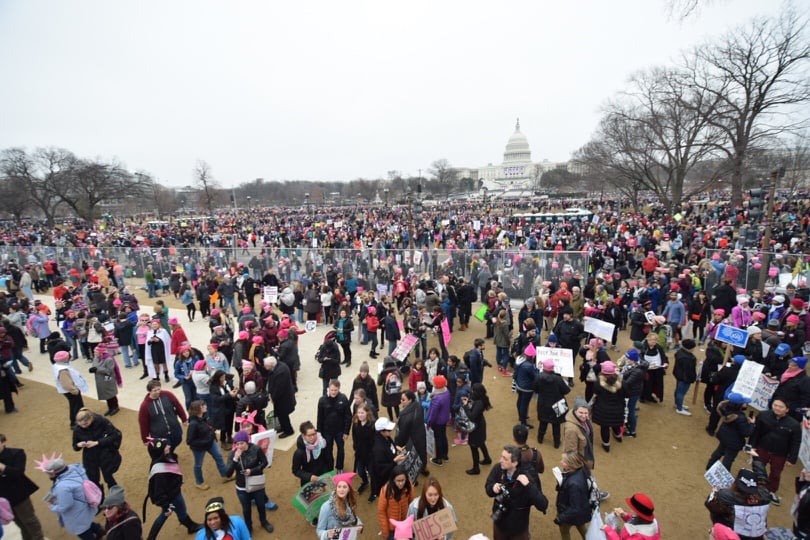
column 191, row 526
column 153, row 532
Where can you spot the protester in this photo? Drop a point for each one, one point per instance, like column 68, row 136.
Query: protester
column 552, row 406
column 573, row 496
column 67, row 499
column 218, row 524
column 335, row 421
column 121, row 521
column 69, row 383
column 640, row 525
column 99, row 441
column 395, row 498
column 160, row 414
column 17, row 488
column 201, row 438
column 248, row 462
column 340, row 510
column 431, row 501
column 385, row 456
column 776, row 438
column 310, row 460
column 475, row 405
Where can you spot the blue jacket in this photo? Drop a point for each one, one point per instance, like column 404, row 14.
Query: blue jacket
column 75, row 515
column 675, row 312
column 525, row 374
column 476, row 366
column 238, row 530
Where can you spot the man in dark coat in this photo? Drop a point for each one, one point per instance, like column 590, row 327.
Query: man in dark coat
column 280, row 390
column 776, row 437
column 411, row 422
column 18, row 488
column 335, row 420
column 513, row 520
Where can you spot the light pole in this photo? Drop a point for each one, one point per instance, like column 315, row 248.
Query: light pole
column 386, row 191
column 306, row 203
column 248, row 201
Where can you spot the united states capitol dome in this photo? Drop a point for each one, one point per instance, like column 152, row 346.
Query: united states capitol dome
column 517, row 149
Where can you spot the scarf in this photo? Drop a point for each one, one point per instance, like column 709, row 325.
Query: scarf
column 314, row 449
column 349, row 520
column 790, row 373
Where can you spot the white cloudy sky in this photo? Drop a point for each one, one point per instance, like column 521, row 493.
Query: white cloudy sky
column 325, row 89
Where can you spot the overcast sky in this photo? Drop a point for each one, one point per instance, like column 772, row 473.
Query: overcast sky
column 326, row 89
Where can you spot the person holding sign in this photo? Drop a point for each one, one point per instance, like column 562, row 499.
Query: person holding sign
column 430, row 502
column 551, row 404
column 395, row 499
column 776, row 437
column 340, row 511
column 734, row 431
column 655, row 356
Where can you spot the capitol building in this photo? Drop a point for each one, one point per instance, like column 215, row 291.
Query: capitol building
column 517, row 173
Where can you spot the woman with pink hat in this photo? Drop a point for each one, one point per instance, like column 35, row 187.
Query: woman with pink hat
column 608, row 407
column 551, row 404
column 340, row 510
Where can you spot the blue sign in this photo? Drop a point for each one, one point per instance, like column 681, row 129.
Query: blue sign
column 731, row 335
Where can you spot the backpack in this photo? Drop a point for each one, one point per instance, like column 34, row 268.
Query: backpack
column 165, row 482
column 92, row 493
column 594, row 494
column 393, row 383
column 6, row 515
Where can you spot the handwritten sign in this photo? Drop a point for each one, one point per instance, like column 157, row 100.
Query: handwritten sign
column 270, row 294
column 763, row 392
column 405, row 346
column 382, row 290
column 563, row 359
column 601, row 329
column 748, row 378
column 412, row 464
column 434, row 526
column 718, row 476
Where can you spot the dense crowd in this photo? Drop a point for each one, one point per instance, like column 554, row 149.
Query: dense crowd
column 670, row 283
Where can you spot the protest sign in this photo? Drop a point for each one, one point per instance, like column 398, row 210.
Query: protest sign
column 445, row 331
column 804, row 449
column 405, row 346
column 412, row 463
column 436, row 525
column 270, row 294
column 266, row 440
column 563, row 359
column 310, row 326
column 382, row 290
column 718, row 476
column 763, row 392
column 348, row 533
column 600, row 329
column 747, row 378
column 650, row 316
column 309, row 499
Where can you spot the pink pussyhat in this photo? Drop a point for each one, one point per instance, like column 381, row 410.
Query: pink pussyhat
column 403, row 529
column 344, row 477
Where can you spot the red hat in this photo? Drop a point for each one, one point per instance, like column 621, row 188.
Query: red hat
column 439, row 381
column 642, row 506
column 797, row 303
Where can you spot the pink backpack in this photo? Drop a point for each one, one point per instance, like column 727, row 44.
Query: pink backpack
column 6, row 515
column 92, row 493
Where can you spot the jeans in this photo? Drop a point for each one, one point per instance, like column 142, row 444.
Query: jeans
column 392, row 344
column 19, row 356
column 502, row 356
column 71, row 342
column 179, row 504
column 151, row 287
column 523, row 401
column 198, row 461
column 129, row 361
column 632, row 417
column 681, row 389
column 336, row 438
column 189, row 391
column 230, row 302
column 440, row 436
column 245, row 499
column 361, row 468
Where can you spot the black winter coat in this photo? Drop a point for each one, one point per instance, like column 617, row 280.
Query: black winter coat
column 363, row 441
column 304, row 469
column 411, row 423
column 370, row 388
column 253, row 458
column 127, row 527
column 633, row 379
column 779, row 436
column 608, row 409
column 475, row 412
column 330, row 361
column 573, row 504
column 382, row 463
column 734, row 428
column 280, row 388
column 288, row 354
column 223, row 407
column 516, row 518
column 334, row 415
column 714, row 357
column 105, row 456
column 795, row 392
column 685, row 367
column 200, row 434
column 14, row 484
column 550, row 388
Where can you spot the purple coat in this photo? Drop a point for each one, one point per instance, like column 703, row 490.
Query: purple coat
column 439, row 410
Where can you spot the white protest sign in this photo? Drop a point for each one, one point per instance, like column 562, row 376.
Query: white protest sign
column 563, row 359
column 763, row 392
column 382, row 290
column 417, row 257
column 310, row 326
column 601, row 329
column 650, row 316
column 747, row 378
column 404, row 347
column 266, row 440
column 270, row 294
column 718, row 476
column 804, row 449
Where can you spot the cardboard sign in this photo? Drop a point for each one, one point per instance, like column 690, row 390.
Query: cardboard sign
column 266, row 440
column 563, row 359
column 600, row 329
column 405, row 346
column 763, row 392
column 435, row 526
column 748, row 378
column 718, row 476
column 270, row 294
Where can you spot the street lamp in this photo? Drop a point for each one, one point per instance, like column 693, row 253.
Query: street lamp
column 248, row 201
column 386, row 191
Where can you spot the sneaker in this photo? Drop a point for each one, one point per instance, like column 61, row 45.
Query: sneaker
column 437, row 462
column 705, row 408
column 267, row 527
column 684, row 412
column 631, row 434
column 270, row 505
column 473, row 472
column 604, row 495
column 684, row 407
column 775, row 500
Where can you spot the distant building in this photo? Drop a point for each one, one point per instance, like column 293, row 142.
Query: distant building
column 517, row 173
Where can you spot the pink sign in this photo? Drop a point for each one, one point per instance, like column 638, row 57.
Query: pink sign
column 446, row 331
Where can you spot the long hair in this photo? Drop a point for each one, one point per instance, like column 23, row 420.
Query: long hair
column 350, row 501
column 392, row 491
column 431, row 482
column 479, row 393
column 226, row 524
column 369, row 413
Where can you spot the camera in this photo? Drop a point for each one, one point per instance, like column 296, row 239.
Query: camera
column 501, row 504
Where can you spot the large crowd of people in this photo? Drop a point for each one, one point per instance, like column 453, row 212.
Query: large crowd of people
column 381, row 277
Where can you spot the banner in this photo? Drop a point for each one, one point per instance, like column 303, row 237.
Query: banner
column 600, row 329
column 266, row 440
column 436, row 525
column 763, row 392
column 309, row 499
column 382, row 290
column 445, row 331
column 748, row 378
column 405, row 346
column 563, row 359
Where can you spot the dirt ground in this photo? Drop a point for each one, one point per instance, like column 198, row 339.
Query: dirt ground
column 666, row 462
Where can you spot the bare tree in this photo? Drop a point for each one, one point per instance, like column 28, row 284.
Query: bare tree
column 14, row 200
column 39, row 174
column 204, row 181
column 757, row 75
column 91, row 183
column 443, row 174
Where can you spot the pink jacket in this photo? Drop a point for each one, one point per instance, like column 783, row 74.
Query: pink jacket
column 634, row 531
column 741, row 318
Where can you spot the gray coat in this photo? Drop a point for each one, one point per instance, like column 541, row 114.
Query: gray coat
column 106, row 386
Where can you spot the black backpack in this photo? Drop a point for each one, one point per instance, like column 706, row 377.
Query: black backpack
column 165, row 482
